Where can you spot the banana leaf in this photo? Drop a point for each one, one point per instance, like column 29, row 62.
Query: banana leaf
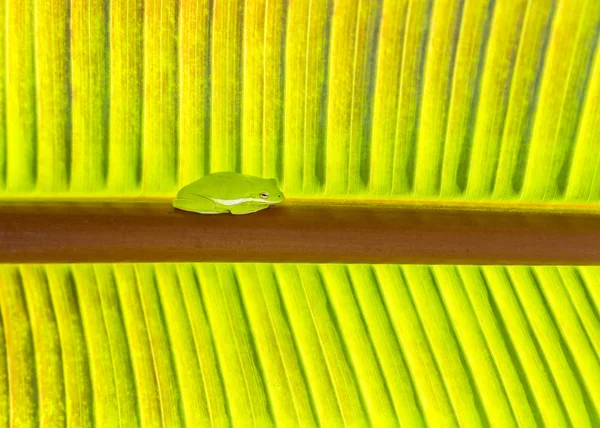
column 285, row 344
column 471, row 101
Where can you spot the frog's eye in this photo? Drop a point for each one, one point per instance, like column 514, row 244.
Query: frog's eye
column 264, row 195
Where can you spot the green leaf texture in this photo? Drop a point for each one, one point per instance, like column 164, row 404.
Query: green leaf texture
column 475, row 100
column 334, row 345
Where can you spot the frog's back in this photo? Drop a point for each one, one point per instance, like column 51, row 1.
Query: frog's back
column 216, row 184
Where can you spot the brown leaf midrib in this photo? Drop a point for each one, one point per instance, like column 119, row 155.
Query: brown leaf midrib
column 55, row 232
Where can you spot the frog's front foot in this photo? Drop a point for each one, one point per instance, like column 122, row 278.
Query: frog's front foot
column 245, row 209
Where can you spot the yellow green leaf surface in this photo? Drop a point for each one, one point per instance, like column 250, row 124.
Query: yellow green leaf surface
column 474, row 100
column 464, row 100
column 330, row 345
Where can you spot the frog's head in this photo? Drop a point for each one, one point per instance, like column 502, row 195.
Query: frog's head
column 269, row 192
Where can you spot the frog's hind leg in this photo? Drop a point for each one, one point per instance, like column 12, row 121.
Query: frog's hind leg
column 198, row 205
